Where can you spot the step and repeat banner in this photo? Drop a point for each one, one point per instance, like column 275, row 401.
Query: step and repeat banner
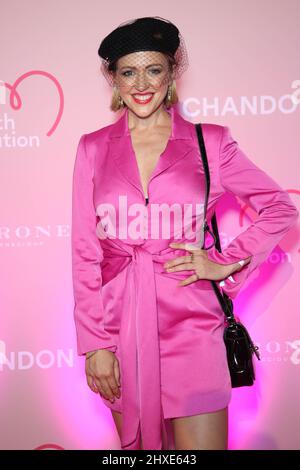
column 244, row 72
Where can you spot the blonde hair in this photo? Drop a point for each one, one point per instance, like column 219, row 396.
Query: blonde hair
column 170, row 98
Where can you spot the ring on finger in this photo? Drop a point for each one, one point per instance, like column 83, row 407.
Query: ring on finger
column 96, row 387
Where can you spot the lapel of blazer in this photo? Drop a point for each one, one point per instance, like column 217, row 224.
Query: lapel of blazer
column 179, row 145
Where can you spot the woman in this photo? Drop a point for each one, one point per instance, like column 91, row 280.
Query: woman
column 146, row 315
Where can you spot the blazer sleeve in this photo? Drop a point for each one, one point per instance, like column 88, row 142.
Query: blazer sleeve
column 86, row 257
column 276, row 212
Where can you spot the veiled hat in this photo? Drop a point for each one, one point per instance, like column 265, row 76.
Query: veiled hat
column 143, row 34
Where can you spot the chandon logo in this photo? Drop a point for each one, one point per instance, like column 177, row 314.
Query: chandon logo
column 25, row 360
column 271, row 351
column 240, row 106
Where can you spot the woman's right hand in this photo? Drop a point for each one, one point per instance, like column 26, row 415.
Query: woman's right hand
column 103, row 374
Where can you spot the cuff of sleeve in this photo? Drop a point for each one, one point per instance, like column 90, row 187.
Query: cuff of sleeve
column 93, row 345
column 232, row 285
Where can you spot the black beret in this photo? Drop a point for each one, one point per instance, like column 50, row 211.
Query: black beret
column 143, row 34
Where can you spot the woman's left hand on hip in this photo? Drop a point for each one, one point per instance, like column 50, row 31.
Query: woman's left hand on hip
column 197, row 261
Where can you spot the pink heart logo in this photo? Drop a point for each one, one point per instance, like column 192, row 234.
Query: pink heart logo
column 16, row 102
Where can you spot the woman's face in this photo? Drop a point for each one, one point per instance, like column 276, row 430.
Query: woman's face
column 142, row 79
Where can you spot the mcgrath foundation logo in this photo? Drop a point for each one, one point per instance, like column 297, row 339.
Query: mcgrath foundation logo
column 245, row 209
column 2, row 92
column 10, row 95
column 49, row 447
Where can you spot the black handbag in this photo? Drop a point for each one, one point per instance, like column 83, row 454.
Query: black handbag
column 239, row 346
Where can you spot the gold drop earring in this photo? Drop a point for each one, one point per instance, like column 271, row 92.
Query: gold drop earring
column 118, row 97
column 121, row 102
column 169, row 94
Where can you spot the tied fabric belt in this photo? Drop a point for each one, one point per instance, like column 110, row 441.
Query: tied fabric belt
column 142, row 415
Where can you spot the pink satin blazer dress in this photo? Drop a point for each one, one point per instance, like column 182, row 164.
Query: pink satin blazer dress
column 168, row 338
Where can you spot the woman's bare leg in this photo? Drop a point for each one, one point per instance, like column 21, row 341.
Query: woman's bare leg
column 118, row 421
column 207, row 431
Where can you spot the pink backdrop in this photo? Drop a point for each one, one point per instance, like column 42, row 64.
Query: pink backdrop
column 244, row 66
